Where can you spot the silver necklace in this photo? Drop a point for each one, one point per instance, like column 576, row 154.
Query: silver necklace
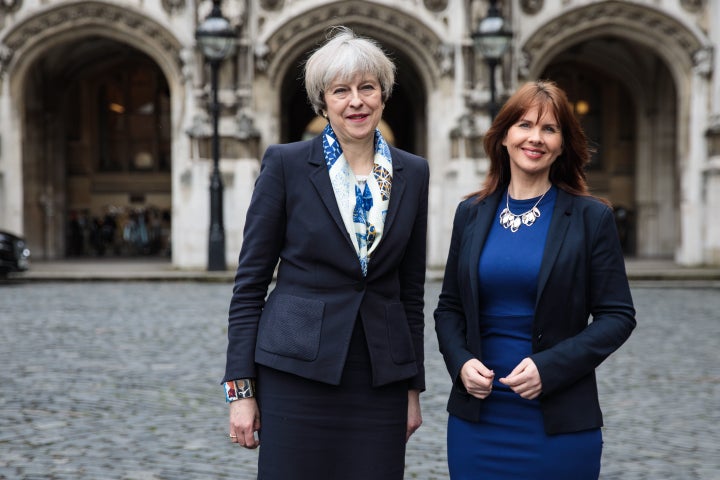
column 509, row 220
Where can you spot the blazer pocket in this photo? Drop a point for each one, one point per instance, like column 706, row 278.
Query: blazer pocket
column 290, row 326
column 401, row 344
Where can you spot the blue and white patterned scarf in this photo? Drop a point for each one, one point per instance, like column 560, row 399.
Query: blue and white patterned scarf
column 363, row 209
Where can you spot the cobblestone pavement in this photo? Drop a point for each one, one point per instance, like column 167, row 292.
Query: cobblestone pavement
column 120, row 381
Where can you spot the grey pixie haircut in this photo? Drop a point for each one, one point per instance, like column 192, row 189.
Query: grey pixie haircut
column 342, row 57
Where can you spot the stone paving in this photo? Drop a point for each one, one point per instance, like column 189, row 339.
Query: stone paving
column 119, row 380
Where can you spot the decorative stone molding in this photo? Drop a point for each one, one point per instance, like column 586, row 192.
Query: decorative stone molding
column 465, row 138
column 261, row 57
column 6, row 54
column 436, row 5
column 445, row 57
column 713, row 136
column 200, row 126
column 78, row 16
column 703, row 61
column 245, row 127
column 235, row 11
column 271, row 4
column 303, row 31
column 693, row 6
column 612, row 14
column 531, row 7
column 10, row 6
column 173, row 6
column 524, row 60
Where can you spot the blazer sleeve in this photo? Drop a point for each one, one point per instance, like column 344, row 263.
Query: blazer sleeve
column 609, row 302
column 412, row 280
column 263, row 238
column 450, row 319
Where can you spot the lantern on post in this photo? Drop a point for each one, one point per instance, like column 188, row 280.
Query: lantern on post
column 491, row 39
column 217, row 40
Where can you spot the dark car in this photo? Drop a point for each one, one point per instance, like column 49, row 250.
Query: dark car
column 14, row 254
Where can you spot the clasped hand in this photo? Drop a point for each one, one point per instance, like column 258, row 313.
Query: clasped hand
column 523, row 380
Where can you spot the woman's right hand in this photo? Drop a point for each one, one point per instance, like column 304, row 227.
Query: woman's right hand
column 244, row 422
column 477, row 378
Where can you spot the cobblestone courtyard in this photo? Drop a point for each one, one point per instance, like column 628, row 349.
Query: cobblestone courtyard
column 121, row 381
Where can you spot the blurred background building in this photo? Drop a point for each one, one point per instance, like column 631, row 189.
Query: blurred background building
column 106, row 118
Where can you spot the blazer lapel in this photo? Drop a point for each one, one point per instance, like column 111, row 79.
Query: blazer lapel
column 396, row 190
column 559, row 224
column 321, row 180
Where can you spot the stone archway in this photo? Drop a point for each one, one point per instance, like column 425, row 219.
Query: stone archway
column 45, row 54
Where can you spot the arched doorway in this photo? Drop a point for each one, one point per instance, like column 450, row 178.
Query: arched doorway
column 626, row 99
column 97, row 151
column 607, row 113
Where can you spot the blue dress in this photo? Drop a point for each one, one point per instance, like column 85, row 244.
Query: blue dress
column 509, row 440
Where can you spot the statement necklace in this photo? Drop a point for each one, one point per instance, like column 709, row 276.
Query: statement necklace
column 509, row 220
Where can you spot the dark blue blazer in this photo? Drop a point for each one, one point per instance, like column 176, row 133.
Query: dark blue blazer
column 582, row 275
column 305, row 324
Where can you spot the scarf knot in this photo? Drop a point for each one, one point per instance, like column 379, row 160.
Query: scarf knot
column 363, row 208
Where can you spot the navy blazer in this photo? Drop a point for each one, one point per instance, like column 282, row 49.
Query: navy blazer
column 305, row 324
column 582, row 274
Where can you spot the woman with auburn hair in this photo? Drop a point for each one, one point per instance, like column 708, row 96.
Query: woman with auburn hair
column 532, row 257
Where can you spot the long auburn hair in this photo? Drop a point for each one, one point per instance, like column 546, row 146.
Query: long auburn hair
column 568, row 169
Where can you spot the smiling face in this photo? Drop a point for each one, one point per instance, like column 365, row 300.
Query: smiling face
column 354, row 108
column 533, row 143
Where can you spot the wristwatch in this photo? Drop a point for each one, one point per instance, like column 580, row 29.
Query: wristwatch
column 237, row 389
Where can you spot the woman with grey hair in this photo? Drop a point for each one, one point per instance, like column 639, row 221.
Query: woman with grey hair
column 326, row 372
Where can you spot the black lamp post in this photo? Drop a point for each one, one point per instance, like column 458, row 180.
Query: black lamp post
column 216, row 38
column 491, row 40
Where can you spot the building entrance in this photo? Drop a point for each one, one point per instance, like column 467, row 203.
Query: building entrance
column 98, row 174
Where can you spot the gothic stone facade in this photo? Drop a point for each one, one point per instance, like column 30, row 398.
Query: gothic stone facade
column 104, row 108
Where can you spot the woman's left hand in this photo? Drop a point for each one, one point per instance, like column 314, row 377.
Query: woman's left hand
column 414, row 419
column 524, row 380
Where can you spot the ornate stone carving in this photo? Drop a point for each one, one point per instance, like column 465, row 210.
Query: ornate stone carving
column 245, row 126
column 261, row 57
column 200, row 126
column 271, row 4
column 405, row 30
column 531, row 7
column 436, row 5
column 703, row 61
column 445, row 58
column 613, row 14
column 91, row 13
column 693, row 6
column 235, row 11
column 10, row 6
column 524, row 60
column 70, row 16
column 173, row 6
column 6, row 55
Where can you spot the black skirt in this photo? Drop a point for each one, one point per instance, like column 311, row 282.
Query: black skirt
column 315, row 431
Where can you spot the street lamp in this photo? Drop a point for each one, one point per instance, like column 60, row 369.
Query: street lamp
column 216, row 38
column 491, row 40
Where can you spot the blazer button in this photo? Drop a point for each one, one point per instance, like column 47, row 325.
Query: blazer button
column 360, row 286
column 539, row 336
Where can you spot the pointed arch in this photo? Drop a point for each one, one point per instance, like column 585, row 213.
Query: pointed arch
column 29, row 39
column 678, row 44
column 392, row 28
